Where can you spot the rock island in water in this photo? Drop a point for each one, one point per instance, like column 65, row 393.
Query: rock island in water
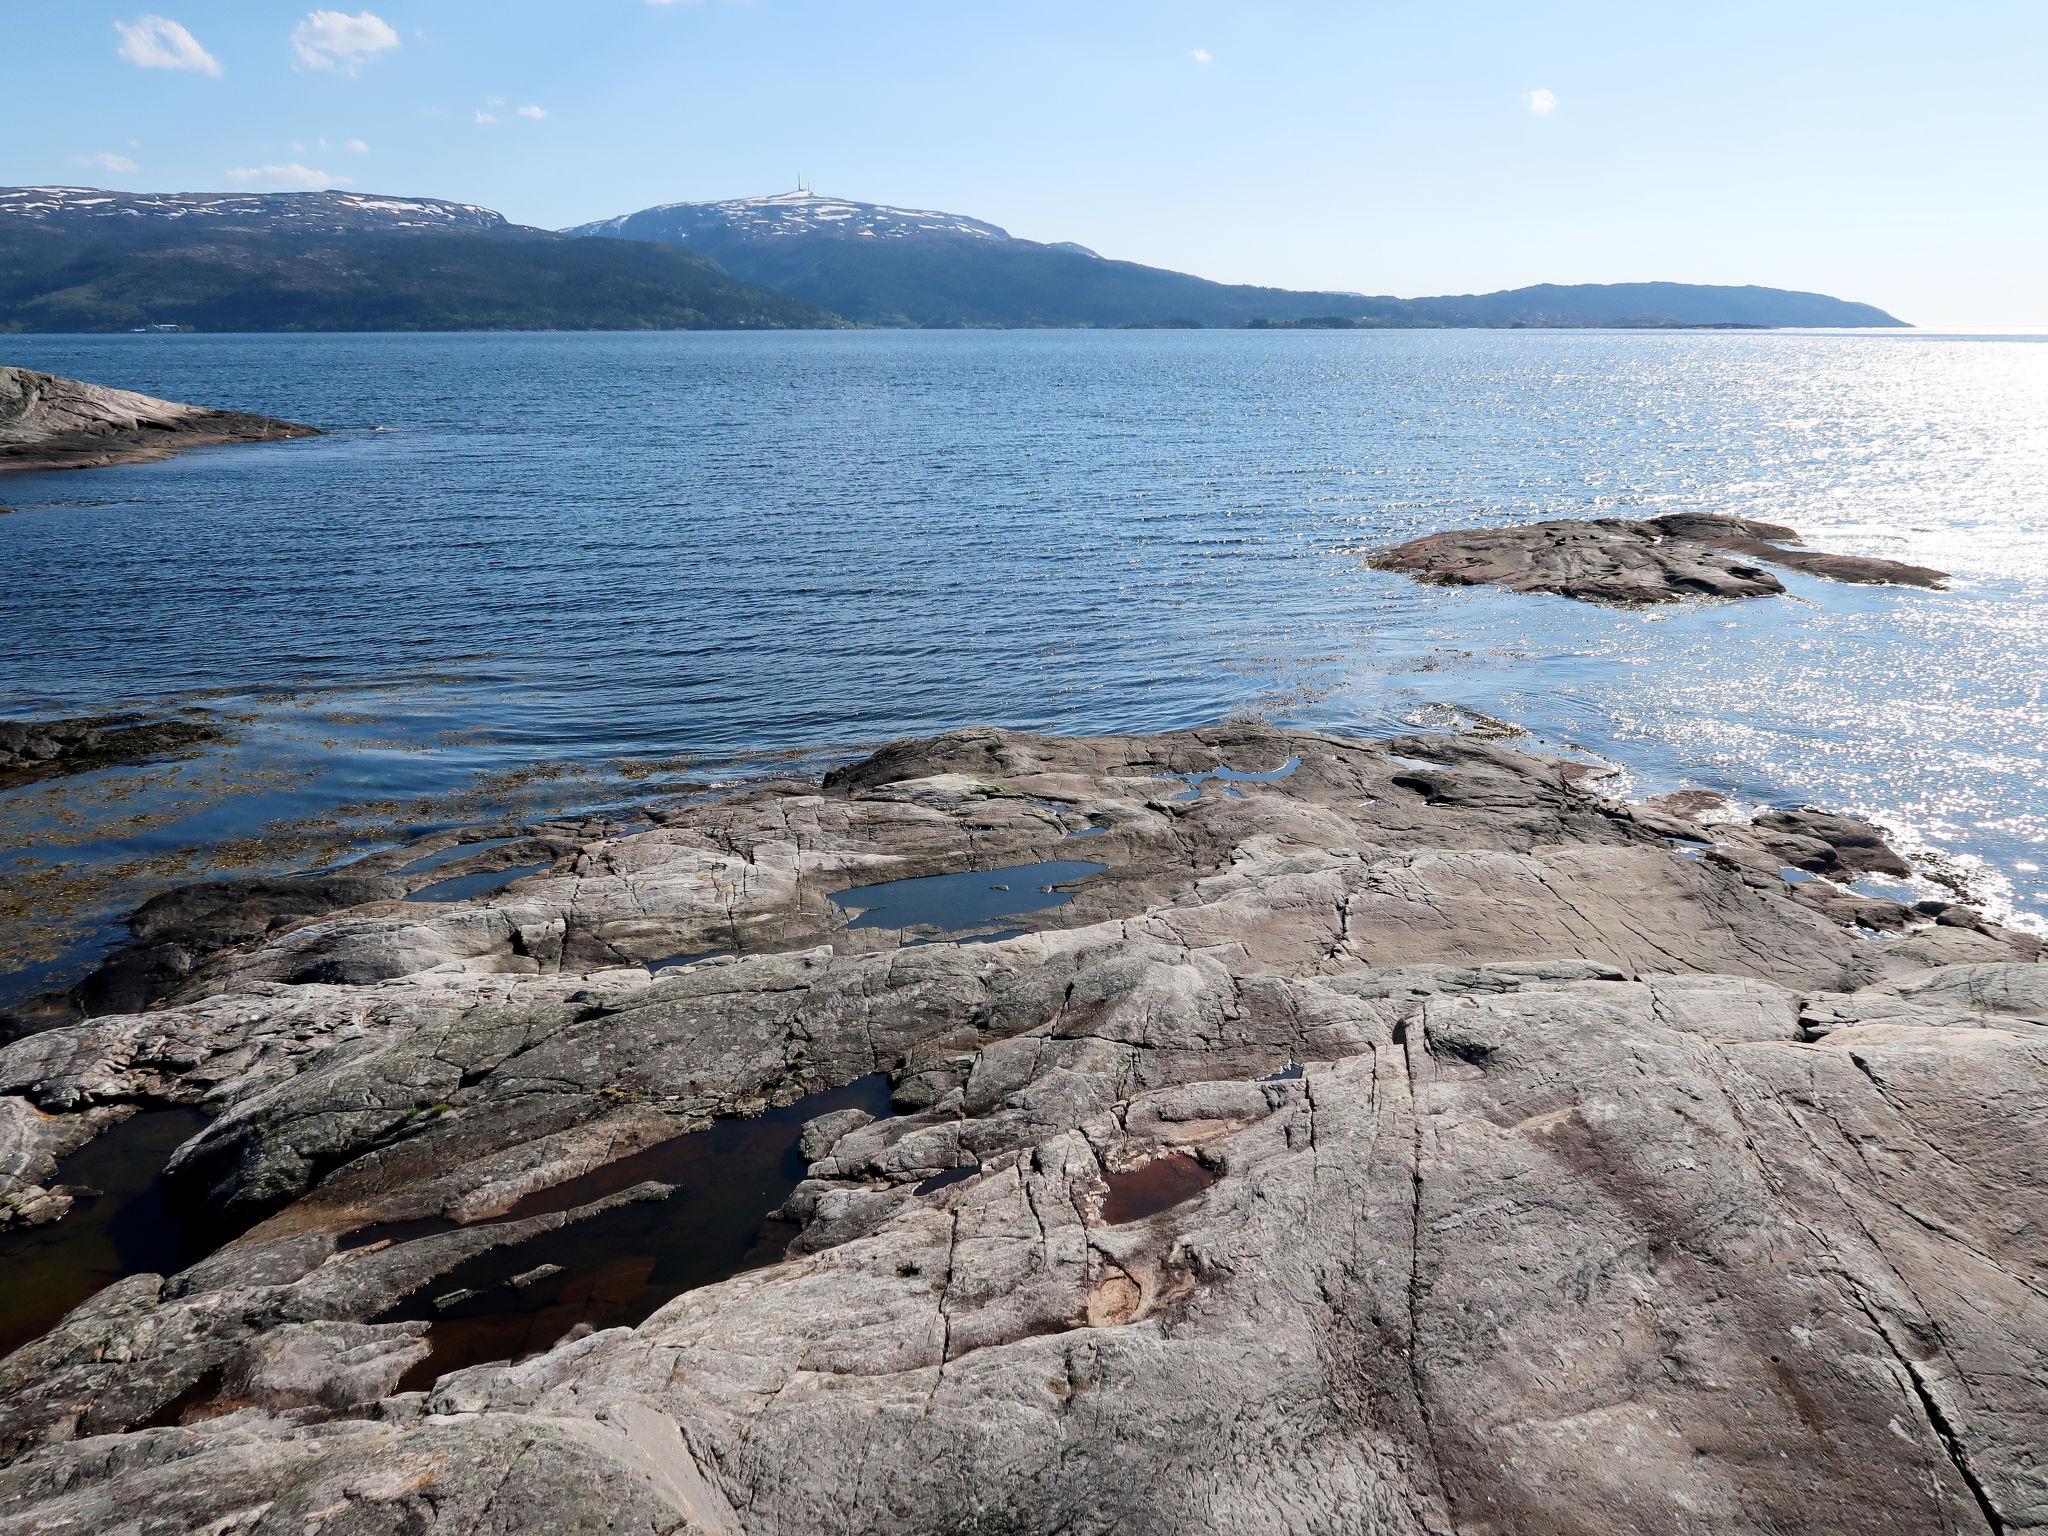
column 1618, row 560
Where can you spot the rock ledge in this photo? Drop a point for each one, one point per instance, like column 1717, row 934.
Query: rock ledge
column 47, row 422
column 1618, row 560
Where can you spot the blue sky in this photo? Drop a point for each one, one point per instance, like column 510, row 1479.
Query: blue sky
column 1896, row 153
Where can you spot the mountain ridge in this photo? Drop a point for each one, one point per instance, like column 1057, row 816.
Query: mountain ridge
column 88, row 259
column 878, row 264
column 91, row 259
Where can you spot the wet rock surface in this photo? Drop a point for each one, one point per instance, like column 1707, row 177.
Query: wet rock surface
column 1417, row 1142
column 47, row 422
column 1620, row 560
column 47, row 749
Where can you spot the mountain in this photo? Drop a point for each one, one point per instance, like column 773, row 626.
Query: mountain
column 880, row 265
column 81, row 259
column 87, row 208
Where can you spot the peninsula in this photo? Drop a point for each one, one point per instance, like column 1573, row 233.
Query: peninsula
column 47, row 422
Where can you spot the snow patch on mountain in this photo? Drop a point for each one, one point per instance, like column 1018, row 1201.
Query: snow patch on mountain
column 790, row 214
column 297, row 210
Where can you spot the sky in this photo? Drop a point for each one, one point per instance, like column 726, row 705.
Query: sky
column 1895, row 153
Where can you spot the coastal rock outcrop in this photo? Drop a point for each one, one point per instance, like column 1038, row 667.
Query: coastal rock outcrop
column 1621, row 560
column 48, row 422
column 1409, row 1140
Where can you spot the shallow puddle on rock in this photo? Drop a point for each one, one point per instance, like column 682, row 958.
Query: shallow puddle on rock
column 671, row 962
column 482, row 882
column 1228, row 776
column 965, row 902
column 618, row 1266
column 946, row 1180
column 446, row 856
column 1792, row 876
column 1153, row 1187
column 126, row 1229
column 1290, row 1073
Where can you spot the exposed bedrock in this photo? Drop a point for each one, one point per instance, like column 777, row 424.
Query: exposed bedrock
column 47, row 422
column 1414, row 1142
column 1618, row 560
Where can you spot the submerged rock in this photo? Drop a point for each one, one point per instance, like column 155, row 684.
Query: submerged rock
column 1617, row 560
column 1417, row 1143
column 45, row 749
column 47, row 422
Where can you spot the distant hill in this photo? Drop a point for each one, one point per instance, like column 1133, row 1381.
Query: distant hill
column 1656, row 303
column 80, row 259
column 880, row 265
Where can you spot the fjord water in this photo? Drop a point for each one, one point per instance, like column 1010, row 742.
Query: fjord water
column 541, row 572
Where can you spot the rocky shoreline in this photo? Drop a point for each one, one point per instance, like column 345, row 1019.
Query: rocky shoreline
column 1384, row 1135
column 1666, row 559
column 48, row 422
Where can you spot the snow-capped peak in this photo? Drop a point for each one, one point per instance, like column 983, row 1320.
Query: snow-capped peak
column 802, row 212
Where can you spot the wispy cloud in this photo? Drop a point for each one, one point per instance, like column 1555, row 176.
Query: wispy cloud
column 355, row 146
column 535, row 113
column 486, row 117
column 294, row 177
column 1202, row 56
column 106, row 160
column 338, row 43
column 152, row 42
column 1540, row 101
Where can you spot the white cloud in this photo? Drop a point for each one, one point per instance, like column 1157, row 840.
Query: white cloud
column 154, row 43
column 485, row 117
column 355, row 146
column 106, row 160
column 1540, row 102
column 294, row 177
column 536, row 113
column 338, row 43
column 1201, row 56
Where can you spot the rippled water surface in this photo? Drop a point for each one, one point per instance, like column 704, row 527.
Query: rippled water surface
column 536, row 572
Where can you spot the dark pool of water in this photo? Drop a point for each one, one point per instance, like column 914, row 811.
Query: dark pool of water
column 481, row 882
column 126, row 1229
column 1153, row 1187
column 617, row 1267
column 671, row 962
column 447, row 856
column 966, row 903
